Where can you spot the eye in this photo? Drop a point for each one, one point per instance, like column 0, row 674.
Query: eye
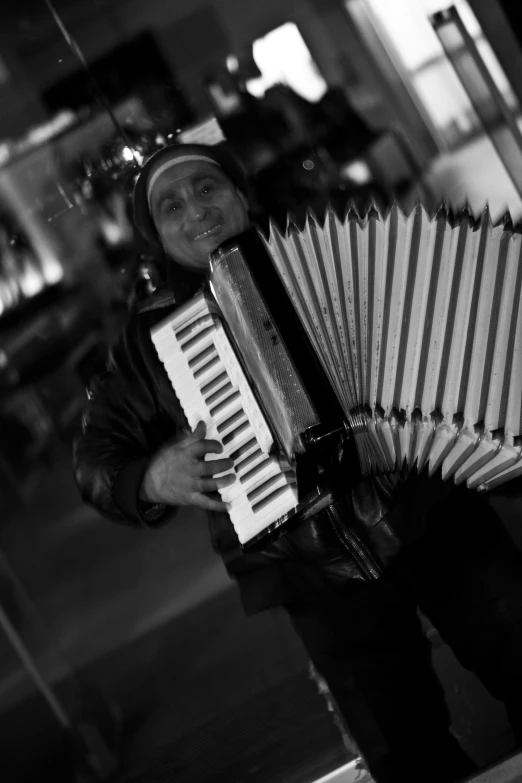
column 206, row 188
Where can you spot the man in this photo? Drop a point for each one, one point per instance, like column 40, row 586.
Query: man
column 435, row 546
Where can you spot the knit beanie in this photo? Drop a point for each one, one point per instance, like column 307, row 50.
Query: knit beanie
column 218, row 154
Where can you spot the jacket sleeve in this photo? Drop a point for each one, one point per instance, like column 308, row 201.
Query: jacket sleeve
column 131, row 411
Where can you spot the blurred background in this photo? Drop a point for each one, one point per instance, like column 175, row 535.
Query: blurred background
column 124, row 654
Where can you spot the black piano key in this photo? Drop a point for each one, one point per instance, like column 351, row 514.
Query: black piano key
column 245, row 464
column 189, row 344
column 236, row 417
column 216, row 396
column 215, row 360
column 233, row 395
column 238, row 454
column 207, row 353
column 214, row 383
column 234, row 433
column 250, row 474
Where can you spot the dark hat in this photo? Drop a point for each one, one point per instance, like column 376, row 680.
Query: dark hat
column 218, row 154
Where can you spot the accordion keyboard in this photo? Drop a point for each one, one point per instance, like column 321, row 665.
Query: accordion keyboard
column 212, row 387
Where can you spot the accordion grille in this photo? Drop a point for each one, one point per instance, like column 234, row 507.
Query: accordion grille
column 264, row 353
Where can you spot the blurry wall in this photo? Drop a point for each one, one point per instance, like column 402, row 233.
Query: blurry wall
column 513, row 11
column 22, row 106
column 502, row 24
column 193, row 35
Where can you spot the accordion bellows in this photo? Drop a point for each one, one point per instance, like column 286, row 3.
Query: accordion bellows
column 417, row 322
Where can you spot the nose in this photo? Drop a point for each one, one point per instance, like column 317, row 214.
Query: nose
column 196, row 209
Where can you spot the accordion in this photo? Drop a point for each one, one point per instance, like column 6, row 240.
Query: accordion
column 396, row 339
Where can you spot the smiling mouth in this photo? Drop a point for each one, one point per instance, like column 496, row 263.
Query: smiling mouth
column 208, row 233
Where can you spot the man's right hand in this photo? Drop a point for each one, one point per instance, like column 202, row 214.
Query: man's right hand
column 178, row 474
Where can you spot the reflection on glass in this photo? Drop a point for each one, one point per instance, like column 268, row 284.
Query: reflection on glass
column 406, row 27
column 283, row 58
column 496, row 117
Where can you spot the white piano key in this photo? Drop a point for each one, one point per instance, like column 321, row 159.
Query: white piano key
column 270, row 469
column 276, row 506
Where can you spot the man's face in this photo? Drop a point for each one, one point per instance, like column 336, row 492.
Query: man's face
column 195, row 207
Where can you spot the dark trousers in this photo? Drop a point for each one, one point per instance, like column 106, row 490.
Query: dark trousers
column 366, row 641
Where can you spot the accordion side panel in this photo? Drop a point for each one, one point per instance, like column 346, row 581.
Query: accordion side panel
column 288, row 264
column 457, row 337
column 499, row 384
column 338, row 280
column 436, row 316
column 314, row 317
column 513, row 422
column 486, row 479
column 358, row 254
column 350, row 294
column 468, row 344
column 463, row 448
column 380, row 232
column 396, row 277
column 323, row 252
column 506, row 378
column 420, row 261
column 478, row 371
column 317, row 260
column 336, row 250
column 372, row 328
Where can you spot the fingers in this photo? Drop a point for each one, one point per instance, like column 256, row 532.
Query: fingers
column 212, row 484
column 208, row 503
column 213, row 467
column 198, row 434
column 203, row 447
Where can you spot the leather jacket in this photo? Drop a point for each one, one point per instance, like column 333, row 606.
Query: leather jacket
column 132, row 411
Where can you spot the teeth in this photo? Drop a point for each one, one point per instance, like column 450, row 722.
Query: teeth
column 206, row 233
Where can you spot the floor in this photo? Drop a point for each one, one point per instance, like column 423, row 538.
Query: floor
column 154, row 624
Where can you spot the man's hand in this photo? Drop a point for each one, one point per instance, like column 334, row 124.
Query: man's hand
column 178, row 474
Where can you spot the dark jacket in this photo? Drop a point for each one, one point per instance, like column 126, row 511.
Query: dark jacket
column 132, row 411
